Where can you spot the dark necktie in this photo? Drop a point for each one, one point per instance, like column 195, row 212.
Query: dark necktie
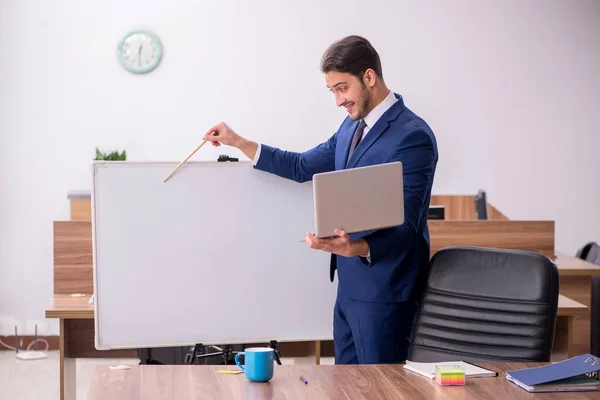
column 357, row 136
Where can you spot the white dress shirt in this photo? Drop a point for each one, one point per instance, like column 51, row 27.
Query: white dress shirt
column 370, row 120
column 378, row 111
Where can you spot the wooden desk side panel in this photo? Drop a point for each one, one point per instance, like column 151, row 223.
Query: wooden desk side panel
column 73, row 257
column 81, row 210
column 537, row 236
column 457, row 207
column 495, row 215
column 462, row 207
column 579, row 289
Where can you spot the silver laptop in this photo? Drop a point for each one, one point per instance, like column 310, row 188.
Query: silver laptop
column 358, row 199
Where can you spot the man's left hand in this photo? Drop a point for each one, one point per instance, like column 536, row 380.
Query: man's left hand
column 341, row 245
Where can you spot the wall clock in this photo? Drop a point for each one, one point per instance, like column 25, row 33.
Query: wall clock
column 140, row 51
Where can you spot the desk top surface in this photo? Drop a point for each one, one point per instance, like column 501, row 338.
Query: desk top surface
column 568, row 306
column 75, row 306
column 573, row 266
column 324, row 382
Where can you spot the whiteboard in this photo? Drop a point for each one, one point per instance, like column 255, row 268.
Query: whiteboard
column 212, row 256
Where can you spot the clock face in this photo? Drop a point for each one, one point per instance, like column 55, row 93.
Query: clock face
column 140, row 52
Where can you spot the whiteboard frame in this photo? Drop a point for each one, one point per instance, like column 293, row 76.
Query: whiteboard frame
column 95, row 165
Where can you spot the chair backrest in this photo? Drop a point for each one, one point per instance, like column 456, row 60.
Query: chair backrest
column 481, row 205
column 590, row 253
column 487, row 305
column 595, row 315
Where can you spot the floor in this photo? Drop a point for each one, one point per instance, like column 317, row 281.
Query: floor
column 35, row 380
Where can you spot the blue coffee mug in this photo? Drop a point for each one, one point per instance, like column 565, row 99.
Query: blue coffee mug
column 258, row 363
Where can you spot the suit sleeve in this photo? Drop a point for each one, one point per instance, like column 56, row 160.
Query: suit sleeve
column 418, row 156
column 299, row 167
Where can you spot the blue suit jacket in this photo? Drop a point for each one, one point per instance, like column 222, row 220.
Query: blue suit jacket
column 399, row 256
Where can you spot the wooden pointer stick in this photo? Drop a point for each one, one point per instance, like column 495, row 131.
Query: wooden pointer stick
column 184, row 161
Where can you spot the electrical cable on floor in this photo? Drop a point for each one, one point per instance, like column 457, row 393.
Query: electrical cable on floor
column 39, row 340
column 28, row 347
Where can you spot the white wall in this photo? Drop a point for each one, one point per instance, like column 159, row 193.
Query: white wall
column 516, row 78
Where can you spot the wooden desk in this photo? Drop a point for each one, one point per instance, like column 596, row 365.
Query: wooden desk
column 76, row 317
column 575, row 283
column 67, row 308
column 324, row 382
column 76, row 339
column 573, row 266
column 537, row 236
column 571, row 309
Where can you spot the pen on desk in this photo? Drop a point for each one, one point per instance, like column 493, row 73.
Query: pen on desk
column 303, row 380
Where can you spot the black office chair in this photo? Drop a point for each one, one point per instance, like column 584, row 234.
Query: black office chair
column 487, row 305
column 590, row 253
column 595, row 315
column 481, row 205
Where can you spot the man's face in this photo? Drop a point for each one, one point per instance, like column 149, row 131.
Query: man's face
column 350, row 93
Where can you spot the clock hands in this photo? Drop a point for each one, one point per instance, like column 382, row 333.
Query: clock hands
column 140, row 54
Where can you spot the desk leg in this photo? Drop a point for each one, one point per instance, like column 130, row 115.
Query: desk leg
column 570, row 345
column 67, row 365
column 318, row 352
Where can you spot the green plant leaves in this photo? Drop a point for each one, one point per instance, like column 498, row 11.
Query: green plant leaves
column 113, row 156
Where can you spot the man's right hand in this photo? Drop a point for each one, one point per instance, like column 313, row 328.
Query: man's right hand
column 223, row 134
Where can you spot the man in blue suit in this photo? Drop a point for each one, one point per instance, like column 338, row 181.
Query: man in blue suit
column 381, row 273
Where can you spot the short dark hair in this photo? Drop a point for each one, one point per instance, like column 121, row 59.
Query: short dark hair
column 352, row 54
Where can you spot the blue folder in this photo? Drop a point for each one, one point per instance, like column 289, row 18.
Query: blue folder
column 572, row 367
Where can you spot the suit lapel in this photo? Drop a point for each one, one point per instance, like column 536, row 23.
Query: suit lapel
column 377, row 130
column 368, row 140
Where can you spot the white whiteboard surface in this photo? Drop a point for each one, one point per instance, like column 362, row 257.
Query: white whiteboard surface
column 211, row 256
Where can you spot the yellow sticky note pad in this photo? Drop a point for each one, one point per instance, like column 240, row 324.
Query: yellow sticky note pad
column 228, row 372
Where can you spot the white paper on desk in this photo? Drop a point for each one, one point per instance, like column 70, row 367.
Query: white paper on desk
column 428, row 369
